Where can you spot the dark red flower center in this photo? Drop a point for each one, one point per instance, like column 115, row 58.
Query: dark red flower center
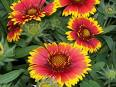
column 84, row 33
column 32, row 11
column 59, row 61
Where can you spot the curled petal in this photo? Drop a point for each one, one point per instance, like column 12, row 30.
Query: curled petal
column 83, row 31
column 50, row 8
column 78, row 7
column 14, row 35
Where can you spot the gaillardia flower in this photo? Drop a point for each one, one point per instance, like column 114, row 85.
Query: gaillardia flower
column 63, row 62
column 83, row 32
column 26, row 10
column 14, row 32
column 78, row 7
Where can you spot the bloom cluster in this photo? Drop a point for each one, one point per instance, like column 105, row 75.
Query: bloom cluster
column 64, row 62
column 24, row 11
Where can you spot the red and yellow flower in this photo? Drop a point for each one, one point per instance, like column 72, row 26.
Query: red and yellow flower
column 83, row 32
column 26, row 10
column 14, row 32
column 78, row 7
column 63, row 62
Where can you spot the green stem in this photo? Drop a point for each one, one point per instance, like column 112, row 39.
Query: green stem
column 109, row 21
column 105, row 22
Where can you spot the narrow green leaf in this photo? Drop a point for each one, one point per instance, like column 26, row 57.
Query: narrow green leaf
column 101, row 57
column 95, row 68
column 6, row 85
column 113, row 55
column 6, row 5
column 9, row 51
column 22, row 52
column 98, row 66
column 89, row 83
column 19, row 84
column 2, row 13
column 101, row 18
column 109, row 41
column 109, row 28
column 8, row 77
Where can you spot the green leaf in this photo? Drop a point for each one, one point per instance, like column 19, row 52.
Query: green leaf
column 2, row 13
column 109, row 28
column 8, row 60
column 95, row 68
column 6, row 85
column 113, row 54
column 101, row 57
column 1, row 63
column 6, row 5
column 112, row 45
column 98, row 66
column 8, row 77
column 89, row 83
column 101, row 18
column 9, row 52
column 113, row 1
column 8, row 66
column 19, row 84
column 109, row 42
column 22, row 52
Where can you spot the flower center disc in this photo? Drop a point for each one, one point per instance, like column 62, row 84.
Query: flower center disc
column 86, row 33
column 59, row 62
column 77, row 0
column 31, row 11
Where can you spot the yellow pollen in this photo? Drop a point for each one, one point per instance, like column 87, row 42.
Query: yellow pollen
column 31, row 11
column 59, row 60
column 77, row 0
column 86, row 33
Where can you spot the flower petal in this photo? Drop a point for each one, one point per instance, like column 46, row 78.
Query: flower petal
column 40, row 67
column 83, row 32
column 50, row 8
